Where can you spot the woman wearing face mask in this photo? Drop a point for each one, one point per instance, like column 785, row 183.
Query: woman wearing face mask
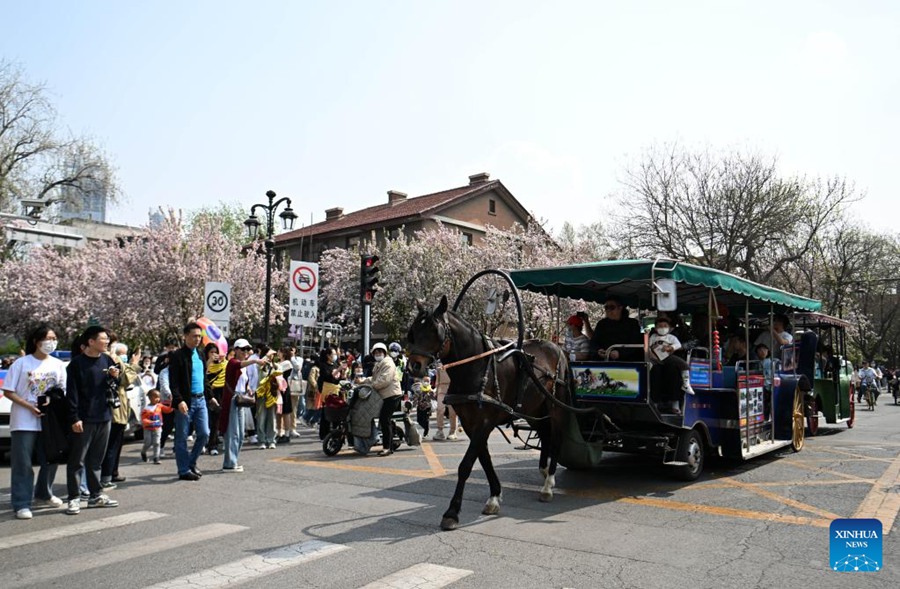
column 28, row 378
column 670, row 373
column 384, row 380
column 329, row 382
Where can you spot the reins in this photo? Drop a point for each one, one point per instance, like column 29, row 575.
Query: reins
column 478, row 356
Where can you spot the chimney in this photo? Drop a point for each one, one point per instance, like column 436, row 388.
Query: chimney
column 395, row 197
column 481, row 178
column 333, row 214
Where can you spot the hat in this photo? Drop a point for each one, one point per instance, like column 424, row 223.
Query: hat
column 241, row 344
column 575, row 321
column 379, row 346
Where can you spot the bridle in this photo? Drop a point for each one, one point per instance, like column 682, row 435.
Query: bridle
column 446, row 337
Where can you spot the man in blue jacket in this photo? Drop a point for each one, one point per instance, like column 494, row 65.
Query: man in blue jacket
column 190, row 393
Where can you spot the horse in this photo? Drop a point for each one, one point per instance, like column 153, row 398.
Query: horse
column 489, row 387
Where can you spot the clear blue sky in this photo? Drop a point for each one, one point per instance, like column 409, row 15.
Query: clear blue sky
column 334, row 103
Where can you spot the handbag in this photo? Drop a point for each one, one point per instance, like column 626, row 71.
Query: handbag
column 241, row 399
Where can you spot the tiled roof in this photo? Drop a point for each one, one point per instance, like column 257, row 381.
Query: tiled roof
column 383, row 214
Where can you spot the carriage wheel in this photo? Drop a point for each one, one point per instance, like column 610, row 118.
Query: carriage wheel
column 812, row 419
column 333, row 443
column 798, row 419
column 691, row 451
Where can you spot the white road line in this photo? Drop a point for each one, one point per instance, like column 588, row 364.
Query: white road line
column 254, row 567
column 79, row 528
column 420, row 576
column 55, row 568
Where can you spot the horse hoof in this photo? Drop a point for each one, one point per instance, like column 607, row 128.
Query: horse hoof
column 448, row 524
column 490, row 510
column 546, row 497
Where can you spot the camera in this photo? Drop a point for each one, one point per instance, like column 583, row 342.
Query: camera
column 112, row 390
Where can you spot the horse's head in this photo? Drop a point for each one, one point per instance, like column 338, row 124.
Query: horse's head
column 428, row 337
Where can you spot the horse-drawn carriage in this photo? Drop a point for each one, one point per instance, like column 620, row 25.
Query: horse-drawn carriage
column 583, row 408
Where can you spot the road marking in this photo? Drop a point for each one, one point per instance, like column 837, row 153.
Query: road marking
column 420, row 473
column 254, row 567
column 854, row 455
column 79, row 528
column 778, row 498
column 819, row 469
column 420, row 576
column 883, row 501
column 824, row 483
column 55, row 568
column 434, row 462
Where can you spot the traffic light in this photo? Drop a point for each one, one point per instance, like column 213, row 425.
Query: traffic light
column 368, row 277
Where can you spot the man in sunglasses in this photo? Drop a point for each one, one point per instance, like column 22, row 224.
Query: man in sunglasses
column 615, row 328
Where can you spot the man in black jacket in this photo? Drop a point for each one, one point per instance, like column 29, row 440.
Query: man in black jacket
column 90, row 397
column 616, row 328
column 190, row 393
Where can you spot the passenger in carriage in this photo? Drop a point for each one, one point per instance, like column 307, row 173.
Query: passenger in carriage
column 777, row 335
column 616, row 328
column 578, row 345
column 736, row 348
column 670, row 372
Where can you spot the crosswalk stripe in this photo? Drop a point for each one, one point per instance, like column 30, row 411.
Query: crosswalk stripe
column 420, row 576
column 79, row 528
column 55, row 568
column 253, row 567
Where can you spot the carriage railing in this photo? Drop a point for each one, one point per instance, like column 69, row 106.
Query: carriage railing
column 625, row 346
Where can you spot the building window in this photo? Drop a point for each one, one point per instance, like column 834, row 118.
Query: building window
column 466, row 238
column 492, row 207
column 353, row 243
column 394, row 233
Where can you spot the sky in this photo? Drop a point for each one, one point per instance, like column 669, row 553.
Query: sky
column 335, row 103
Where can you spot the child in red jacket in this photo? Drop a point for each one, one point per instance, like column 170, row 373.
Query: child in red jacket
column 151, row 419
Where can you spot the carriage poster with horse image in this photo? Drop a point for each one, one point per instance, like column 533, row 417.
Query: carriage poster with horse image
column 601, row 380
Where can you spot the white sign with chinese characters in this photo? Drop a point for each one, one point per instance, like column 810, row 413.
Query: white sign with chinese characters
column 304, row 289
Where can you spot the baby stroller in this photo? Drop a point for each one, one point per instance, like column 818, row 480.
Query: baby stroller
column 338, row 412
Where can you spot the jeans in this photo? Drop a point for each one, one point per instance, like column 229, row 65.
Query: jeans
column 110, row 466
column 213, row 443
column 265, row 423
column 151, row 443
column 234, row 436
column 197, row 417
column 25, row 446
column 86, row 452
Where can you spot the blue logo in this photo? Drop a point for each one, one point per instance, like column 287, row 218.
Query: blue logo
column 856, row 545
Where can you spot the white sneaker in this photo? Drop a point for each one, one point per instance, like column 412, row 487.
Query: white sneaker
column 452, row 438
column 439, row 437
column 263, row 446
column 24, row 513
column 254, row 440
column 272, row 446
column 53, row 501
column 295, row 434
column 213, row 452
column 102, row 501
column 74, row 507
column 238, row 468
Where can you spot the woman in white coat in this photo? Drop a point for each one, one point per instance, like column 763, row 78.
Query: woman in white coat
column 384, row 380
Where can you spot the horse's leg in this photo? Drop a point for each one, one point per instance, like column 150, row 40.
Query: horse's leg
column 492, row 507
column 555, row 439
column 450, row 519
column 546, row 457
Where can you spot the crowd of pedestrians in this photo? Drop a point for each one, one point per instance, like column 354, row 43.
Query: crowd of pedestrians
column 210, row 401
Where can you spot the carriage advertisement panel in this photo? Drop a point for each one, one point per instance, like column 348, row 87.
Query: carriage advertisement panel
column 608, row 381
column 750, row 388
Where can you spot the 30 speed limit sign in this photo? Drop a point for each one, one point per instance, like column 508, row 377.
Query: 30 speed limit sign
column 217, row 302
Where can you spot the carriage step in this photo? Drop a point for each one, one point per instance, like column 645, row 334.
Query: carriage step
column 675, row 463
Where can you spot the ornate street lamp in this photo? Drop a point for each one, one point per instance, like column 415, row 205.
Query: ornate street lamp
column 252, row 223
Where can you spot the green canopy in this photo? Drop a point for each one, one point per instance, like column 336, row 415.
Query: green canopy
column 632, row 281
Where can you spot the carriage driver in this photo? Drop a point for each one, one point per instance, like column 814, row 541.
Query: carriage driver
column 616, row 328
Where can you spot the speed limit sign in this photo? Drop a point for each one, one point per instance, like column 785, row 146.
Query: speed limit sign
column 217, row 302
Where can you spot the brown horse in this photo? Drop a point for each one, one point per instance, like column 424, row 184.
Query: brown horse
column 488, row 389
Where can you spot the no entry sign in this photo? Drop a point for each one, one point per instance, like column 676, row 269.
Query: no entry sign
column 304, row 290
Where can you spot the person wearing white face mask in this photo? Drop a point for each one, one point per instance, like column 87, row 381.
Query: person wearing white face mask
column 384, row 380
column 28, row 379
column 670, row 373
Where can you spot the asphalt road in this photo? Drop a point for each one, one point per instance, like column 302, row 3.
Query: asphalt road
column 298, row 519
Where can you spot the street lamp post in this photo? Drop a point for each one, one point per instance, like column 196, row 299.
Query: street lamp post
column 287, row 219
